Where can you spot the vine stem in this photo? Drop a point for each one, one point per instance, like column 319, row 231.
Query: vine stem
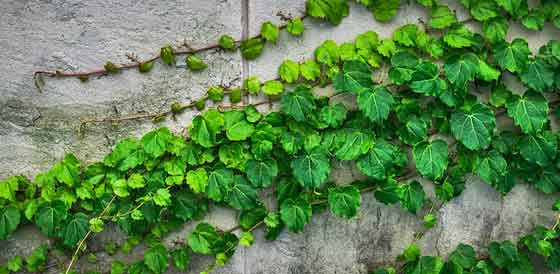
column 83, row 240
column 185, row 49
column 131, row 210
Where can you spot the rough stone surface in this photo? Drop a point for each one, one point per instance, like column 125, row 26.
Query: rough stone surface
column 38, row 129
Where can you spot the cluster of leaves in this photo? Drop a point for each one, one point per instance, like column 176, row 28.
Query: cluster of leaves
column 503, row 257
column 152, row 185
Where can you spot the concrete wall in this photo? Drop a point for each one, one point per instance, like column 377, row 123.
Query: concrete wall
column 37, row 129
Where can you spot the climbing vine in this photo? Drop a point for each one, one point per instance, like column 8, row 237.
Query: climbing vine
column 435, row 114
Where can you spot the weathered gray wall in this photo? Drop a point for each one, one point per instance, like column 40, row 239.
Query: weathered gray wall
column 38, row 129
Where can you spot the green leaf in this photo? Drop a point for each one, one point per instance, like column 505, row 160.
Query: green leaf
column 120, row 188
column 203, row 238
column 181, row 258
column 473, row 128
column 162, row 197
column 227, row 42
column 76, row 229
column 295, row 213
column 242, row 196
column 215, row 93
column 156, row 258
column 295, row 27
column 96, row 225
column 442, row 17
column 517, row 8
column 495, row 29
column 376, row 103
column 298, row 103
column 67, row 171
column 311, row 169
column 385, row 10
column 403, row 65
column 548, row 181
column 332, row 10
column 425, row 79
column 534, row 20
column 388, row 193
column 272, row 220
column 49, row 216
column 412, row 196
column 145, row 67
column 503, row 254
column 15, row 264
column 167, row 55
column 428, row 265
column 187, row 206
column 272, row 87
column 344, row 201
column 411, row 253
column 135, row 181
column 499, row 96
column 464, row 255
column 483, row 10
column 237, row 127
column 155, row 142
column 430, row 220
column 197, row 180
column 355, row 76
column 431, row 158
column 37, row 259
column 492, row 167
column 252, row 85
column 110, row 68
column 530, row 112
column 377, row 161
column 387, row 47
column 459, row 36
column 334, row 115
column 253, row 115
column 414, row 131
column 233, row 155
column 327, row 53
column 9, row 187
column 252, row 48
column 127, row 154
column 261, row 173
column 408, row 35
column 289, row 71
column 220, row 183
column 539, row 149
column 204, row 128
column 270, row 31
column 355, row 143
column 488, row 73
column 246, row 239
column 195, row 63
column 460, row 69
column 310, row 70
column 538, row 75
column 9, row 221
column 514, row 56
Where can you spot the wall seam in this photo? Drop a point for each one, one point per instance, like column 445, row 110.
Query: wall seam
column 244, row 36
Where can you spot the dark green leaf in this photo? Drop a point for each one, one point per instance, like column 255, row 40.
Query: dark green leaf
column 295, row 213
column 344, row 201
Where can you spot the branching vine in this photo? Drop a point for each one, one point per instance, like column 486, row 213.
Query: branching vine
column 434, row 106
